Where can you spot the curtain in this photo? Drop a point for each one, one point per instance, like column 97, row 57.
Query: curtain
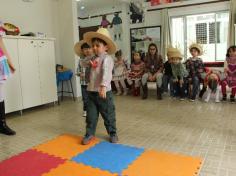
column 232, row 21
column 165, row 32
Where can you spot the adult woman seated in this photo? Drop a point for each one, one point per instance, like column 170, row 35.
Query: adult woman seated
column 153, row 72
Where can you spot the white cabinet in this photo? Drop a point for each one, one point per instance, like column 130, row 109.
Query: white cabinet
column 47, row 71
column 12, row 88
column 29, row 65
column 34, row 82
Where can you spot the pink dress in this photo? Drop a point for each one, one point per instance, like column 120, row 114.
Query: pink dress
column 231, row 77
column 4, row 67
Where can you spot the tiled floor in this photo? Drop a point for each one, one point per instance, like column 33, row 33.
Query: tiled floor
column 197, row 129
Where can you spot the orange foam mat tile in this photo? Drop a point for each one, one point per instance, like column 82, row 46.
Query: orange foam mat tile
column 153, row 163
column 65, row 146
column 73, row 169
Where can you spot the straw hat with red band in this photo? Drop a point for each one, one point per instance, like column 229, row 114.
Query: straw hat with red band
column 103, row 34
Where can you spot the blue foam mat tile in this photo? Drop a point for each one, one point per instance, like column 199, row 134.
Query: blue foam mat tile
column 111, row 157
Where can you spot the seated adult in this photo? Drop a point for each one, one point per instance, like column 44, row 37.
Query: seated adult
column 153, row 71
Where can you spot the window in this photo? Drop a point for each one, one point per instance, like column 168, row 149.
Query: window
column 210, row 30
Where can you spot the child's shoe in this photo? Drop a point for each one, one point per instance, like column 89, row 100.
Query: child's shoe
column 114, row 138
column 85, row 114
column 125, row 92
column 87, row 139
column 232, row 100
column 224, row 97
column 119, row 93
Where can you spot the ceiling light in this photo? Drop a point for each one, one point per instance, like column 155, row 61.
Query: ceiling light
column 82, row 7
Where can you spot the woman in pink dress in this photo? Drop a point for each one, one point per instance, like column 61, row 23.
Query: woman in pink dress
column 6, row 68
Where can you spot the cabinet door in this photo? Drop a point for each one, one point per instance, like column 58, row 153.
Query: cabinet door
column 47, row 71
column 29, row 68
column 13, row 99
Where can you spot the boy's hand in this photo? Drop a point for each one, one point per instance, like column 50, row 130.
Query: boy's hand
column 181, row 82
column 102, row 92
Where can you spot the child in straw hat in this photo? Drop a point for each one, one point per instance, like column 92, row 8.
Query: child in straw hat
column 99, row 87
column 195, row 68
column 84, row 51
column 179, row 73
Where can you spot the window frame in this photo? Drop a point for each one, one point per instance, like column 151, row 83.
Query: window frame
column 185, row 30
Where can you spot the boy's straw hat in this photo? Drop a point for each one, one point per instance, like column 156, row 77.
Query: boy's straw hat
column 77, row 47
column 103, row 34
column 198, row 47
column 175, row 53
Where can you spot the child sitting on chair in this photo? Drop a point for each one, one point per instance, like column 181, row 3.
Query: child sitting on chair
column 230, row 72
column 120, row 73
column 195, row 68
column 136, row 73
column 179, row 73
column 211, row 84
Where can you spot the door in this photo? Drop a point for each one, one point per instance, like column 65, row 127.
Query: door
column 13, row 97
column 47, row 70
column 29, row 68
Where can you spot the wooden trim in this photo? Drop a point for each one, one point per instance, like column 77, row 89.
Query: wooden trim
column 96, row 16
column 187, row 5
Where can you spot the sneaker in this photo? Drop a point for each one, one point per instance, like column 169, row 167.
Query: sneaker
column 85, row 114
column 192, row 99
column 87, row 139
column 181, row 99
column 114, row 139
column 119, row 93
column 125, row 92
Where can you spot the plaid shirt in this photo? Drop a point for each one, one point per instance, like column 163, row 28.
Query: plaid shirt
column 102, row 74
column 83, row 69
column 195, row 67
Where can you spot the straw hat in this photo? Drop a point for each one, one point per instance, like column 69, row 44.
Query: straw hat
column 171, row 50
column 77, row 47
column 103, row 34
column 197, row 46
column 175, row 53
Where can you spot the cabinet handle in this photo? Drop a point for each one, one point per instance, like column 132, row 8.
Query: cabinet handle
column 32, row 42
column 42, row 42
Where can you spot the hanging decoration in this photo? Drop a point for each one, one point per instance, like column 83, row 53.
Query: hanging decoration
column 136, row 12
column 117, row 26
column 105, row 23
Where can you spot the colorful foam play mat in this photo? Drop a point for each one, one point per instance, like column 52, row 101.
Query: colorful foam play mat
column 65, row 156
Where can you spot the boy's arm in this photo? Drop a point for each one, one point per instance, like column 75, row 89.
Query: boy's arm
column 107, row 67
column 201, row 66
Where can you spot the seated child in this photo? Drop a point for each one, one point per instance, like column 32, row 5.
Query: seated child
column 195, row 68
column 179, row 73
column 136, row 73
column 230, row 72
column 120, row 73
column 84, row 51
column 99, row 86
column 211, row 85
column 167, row 76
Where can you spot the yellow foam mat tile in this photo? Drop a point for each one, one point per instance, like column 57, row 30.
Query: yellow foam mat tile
column 73, row 169
column 65, row 146
column 153, row 163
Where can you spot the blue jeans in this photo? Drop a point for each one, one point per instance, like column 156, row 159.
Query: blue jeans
column 166, row 81
column 84, row 96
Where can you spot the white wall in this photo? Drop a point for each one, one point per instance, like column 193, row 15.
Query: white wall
column 38, row 16
column 68, row 36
